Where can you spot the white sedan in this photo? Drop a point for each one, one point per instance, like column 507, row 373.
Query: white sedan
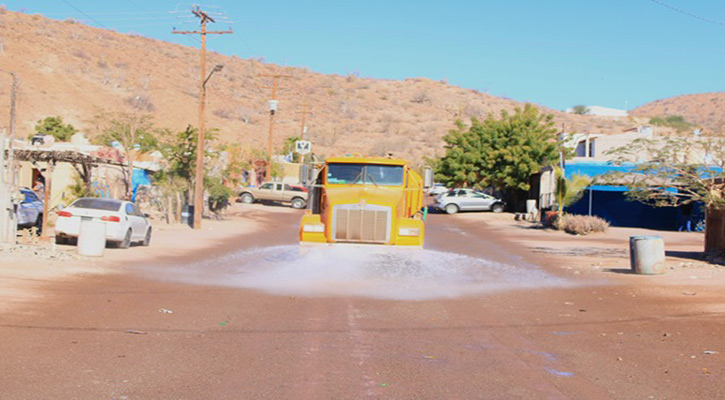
column 437, row 189
column 125, row 223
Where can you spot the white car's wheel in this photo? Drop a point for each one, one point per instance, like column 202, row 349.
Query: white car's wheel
column 147, row 238
column 126, row 240
column 451, row 208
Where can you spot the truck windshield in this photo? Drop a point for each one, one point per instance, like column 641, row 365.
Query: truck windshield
column 365, row 174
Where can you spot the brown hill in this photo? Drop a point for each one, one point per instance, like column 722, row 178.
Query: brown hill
column 704, row 109
column 76, row 71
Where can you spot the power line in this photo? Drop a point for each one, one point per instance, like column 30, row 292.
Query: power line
column 81, row 11
column 689, row 14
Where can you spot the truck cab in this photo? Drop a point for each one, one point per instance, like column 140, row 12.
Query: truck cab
column 365, row 201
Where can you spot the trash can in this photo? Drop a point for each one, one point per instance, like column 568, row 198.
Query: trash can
column 530, row 206
column 647, row 255
column 187, row 215
column 91, row 238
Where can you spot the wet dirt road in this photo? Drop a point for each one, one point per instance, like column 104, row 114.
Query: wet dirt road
column 475, row 317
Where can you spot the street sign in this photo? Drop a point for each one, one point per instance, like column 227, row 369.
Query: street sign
column 303, row 147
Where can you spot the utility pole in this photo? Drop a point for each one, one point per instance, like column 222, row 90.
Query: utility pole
column 272, row 110
column 10, row 183
column 5, row 205
column 303, row 128
column 199, row 176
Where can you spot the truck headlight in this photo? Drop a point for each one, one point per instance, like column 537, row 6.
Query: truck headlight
column 408, row 232
column 313, row 228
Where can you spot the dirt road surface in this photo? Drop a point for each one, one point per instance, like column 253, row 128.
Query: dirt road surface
column 485, row 312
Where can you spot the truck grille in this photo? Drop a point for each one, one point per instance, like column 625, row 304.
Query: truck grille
column 368, row 224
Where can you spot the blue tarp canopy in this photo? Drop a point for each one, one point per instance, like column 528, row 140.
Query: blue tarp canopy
column 596, row 168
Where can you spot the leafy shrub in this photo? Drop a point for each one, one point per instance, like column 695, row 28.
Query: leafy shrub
column 580, row 224
column 219, row 194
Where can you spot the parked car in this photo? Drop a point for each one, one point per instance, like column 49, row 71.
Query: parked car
column 125, row 223
column 30, row 210
column 467, row 200
column 296, row 195
column 437, row 189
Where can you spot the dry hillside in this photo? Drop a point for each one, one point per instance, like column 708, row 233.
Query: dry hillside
column 704, row 109
column 76, row 71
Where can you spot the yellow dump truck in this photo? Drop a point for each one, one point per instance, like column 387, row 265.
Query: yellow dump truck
column 365, row 200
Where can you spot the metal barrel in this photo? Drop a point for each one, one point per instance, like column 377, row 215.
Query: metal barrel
column 187, row 215
column 647, row 255
column 92, row 238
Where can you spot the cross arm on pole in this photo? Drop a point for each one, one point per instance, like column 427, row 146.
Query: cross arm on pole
column 202, row 32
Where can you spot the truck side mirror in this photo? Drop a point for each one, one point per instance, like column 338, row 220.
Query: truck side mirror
column 427, row 177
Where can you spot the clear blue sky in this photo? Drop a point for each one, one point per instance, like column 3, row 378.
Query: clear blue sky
column 613, row 53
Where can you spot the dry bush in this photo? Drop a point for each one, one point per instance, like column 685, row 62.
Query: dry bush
column 223, row 113
column 81, row 54
column 141, row 102
column 420, row 98
column 581, row 224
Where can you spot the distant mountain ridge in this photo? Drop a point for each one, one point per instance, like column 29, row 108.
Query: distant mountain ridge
column 705, row 110
column 77, row 71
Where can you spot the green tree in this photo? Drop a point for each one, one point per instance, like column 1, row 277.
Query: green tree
column 53, row 126
column 179, row 150
column 672, row 171
column 77, row 189
column 580, row 109
column 237, row 163
column 134, row 133
column 501, row 153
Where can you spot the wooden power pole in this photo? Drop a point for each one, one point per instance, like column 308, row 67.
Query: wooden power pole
column 199, row 176
column 303, row 128
column 272, row 110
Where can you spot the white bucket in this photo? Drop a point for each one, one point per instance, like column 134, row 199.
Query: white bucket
column 92, row 238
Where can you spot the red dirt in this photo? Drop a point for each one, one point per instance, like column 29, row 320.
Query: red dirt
column 612, row 335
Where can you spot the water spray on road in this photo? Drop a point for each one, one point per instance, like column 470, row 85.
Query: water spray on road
column 365, row 271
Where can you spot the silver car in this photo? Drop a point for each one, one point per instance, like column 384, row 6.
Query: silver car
column 467, row 200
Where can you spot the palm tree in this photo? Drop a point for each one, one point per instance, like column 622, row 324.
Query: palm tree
column 568, row 191
column 289, row 147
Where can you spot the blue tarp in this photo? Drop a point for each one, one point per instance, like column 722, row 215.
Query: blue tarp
column 140, row 177
column 610, row 202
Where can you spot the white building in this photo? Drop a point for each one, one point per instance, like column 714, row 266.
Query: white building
column 602, row 111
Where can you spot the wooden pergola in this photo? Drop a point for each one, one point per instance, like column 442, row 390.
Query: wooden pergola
column 82, row 162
